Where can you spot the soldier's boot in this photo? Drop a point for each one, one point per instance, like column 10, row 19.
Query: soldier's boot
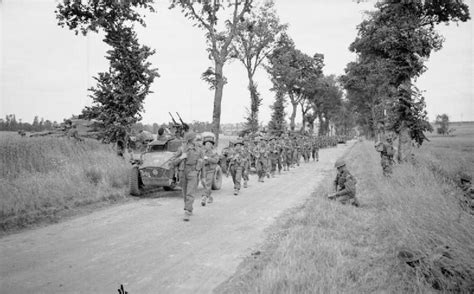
column 236, row 192
column 203, row 200
column 245, row 184
column 355, row 202
column 268, row 175
column 210, row 199
column 187, row 215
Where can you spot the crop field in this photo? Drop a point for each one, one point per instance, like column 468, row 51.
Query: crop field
column 326, row 247
column 41, row 178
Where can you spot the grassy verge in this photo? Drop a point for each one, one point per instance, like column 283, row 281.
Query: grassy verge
column 40, row 178
column 325, row 247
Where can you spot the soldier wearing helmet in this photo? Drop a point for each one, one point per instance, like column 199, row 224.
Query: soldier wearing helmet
column 237, row 164
column 387, row 152
column 345, row 185
column 189, row 158
column 468, row 189
column 211, row 159
column 261, row 158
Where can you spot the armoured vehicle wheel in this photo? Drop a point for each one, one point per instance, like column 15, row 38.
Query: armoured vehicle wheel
column 134, row 182
column 217, row 181
column 169, row 188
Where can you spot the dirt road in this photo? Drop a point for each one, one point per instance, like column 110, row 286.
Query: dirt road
column 147, row 247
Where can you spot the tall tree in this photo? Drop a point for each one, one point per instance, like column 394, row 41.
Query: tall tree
column 442, row 120
column 120, row 91
column 290, row 69
column 253, row 42
column 277, row 124
column 368, row 92
column 204, row 14
column 402, row 34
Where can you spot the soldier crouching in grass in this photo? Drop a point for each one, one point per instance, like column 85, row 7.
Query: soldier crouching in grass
column 211, row 159
column 345, row 185
column 189, row 158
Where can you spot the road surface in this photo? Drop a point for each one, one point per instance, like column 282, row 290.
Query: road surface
column 146, row 246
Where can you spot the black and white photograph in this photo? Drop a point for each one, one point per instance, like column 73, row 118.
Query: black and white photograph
column 236, row 146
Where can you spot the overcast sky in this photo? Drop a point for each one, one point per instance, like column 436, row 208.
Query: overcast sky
column 46, row 70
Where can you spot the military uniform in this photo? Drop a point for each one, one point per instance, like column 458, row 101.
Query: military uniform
column 273, row 155
column 261, row 161
column 468, row 191
column 345, row 185
column 211, row 160
column 386, row 156
column 189, row 168
column 237, row 165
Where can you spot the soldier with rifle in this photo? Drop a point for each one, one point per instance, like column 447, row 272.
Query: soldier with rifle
column 189, row 159
column 237, row 164
column 211, row 159
column 345, row 185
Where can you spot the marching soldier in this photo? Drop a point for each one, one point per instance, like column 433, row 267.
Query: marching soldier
column 288, row 155
column 273, row 155
column 248, row 159
column 211, row 159
column 237, row 165
column 261, row 160
column 345, row 185
column 189, row 159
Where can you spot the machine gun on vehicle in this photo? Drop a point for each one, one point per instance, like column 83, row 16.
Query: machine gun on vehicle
column 180, row 128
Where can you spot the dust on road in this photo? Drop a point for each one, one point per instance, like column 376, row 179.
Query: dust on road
column 147, row 247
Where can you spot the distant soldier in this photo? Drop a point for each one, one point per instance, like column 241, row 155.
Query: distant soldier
column 468, row 190
column 237, row 165
column 287, row 155
column 189, row 159
column 161, row 135
column 248, row 159
column 261, row 160
column 211, row 159
column 345, row 185
column 120, row 147
column 273, row 156
column 315, row 149
column 72, row 133
column 387, row 151
column 22, row 133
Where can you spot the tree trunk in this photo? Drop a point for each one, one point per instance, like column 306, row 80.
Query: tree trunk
column 321, row 124
column 216, row 114
column 254, row 103
column 303, row 116
column 294, row 104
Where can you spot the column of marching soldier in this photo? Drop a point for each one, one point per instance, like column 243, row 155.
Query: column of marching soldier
column 197, row 160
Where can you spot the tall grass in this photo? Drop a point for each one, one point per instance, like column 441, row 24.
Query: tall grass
column 326, row 247
column 41, row 177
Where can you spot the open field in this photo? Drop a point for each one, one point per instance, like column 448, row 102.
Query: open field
column 40, row 178
column 326, row 247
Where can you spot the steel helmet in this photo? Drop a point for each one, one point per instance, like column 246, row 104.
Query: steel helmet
column 208, row 137
column 238, row 141
column 339, row 163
